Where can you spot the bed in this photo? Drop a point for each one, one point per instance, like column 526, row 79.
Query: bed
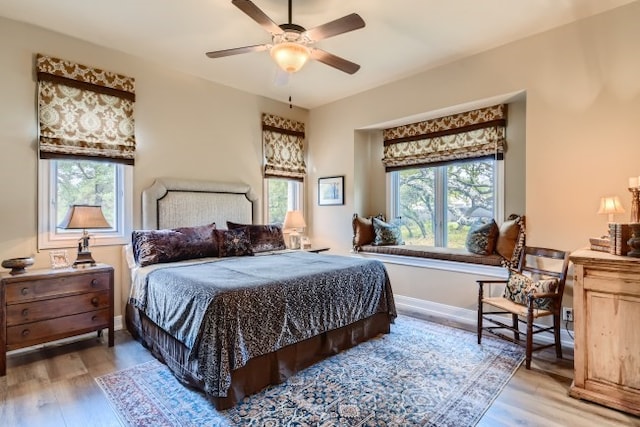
column 232, row 325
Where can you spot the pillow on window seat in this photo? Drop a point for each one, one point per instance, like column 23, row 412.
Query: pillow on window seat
column 386, row 234
column 159, row 246
column 519, row 286
column 511, row 240
column 363, row 233
column 482, row 238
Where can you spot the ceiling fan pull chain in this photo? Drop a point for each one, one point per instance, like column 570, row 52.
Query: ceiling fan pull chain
column 290, row 106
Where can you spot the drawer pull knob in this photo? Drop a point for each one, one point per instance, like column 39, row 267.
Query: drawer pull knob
column 94, row 318
column 26, row 333
column 25, row 312
column 94, row 283
column 94, row 301
column 25, row 291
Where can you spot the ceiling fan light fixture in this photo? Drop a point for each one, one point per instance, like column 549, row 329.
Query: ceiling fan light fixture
column 290, row 56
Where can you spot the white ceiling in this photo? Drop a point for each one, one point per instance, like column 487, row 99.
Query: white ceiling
column 401, row 37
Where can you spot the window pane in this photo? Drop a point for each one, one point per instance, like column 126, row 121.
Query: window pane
column 86, row 182
column 470, row 194
column 416, row 205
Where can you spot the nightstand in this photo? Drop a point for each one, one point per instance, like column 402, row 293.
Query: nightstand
column 46, row 305
column 316, row 250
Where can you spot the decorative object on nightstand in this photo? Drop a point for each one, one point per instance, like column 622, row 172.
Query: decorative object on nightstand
column 17, row 265
column 634, row 188
column 294, row 221
column 634, row 241
column 84, row 217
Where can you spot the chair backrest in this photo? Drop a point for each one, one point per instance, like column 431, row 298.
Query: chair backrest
column 545, row 262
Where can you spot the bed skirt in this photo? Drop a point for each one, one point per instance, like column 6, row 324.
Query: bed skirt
column 259, row 372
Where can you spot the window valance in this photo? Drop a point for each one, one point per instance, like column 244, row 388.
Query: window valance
column 84, row 112
column 470, row 135
column 283, row 145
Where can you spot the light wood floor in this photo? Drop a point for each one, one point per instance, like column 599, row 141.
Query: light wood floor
column 54, row 386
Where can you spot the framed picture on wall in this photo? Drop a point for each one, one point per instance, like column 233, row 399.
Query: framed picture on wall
column 331, row 190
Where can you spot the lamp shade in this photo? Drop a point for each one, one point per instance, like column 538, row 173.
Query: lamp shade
column 83, row 217
column 293, row 220
column 290, row 56
column 610, row 205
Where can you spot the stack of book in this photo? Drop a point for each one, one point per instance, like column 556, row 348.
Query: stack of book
column 619, row 235
column 600, row 244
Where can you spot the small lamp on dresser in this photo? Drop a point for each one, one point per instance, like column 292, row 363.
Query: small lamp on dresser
column 83, row 217
column 610, row 205
column 294, row 221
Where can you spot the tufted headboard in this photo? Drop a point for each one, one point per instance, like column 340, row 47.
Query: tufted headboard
column 172, row 203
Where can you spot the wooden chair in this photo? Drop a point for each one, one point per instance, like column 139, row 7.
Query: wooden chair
column 536, row 263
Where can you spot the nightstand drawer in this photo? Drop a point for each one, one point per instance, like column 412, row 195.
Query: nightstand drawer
column 18, row 314
column 55, row 287
column 48, row 330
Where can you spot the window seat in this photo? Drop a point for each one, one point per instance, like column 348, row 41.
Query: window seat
column 432, row 252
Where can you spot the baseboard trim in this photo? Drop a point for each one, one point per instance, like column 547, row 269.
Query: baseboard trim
column 465, row 317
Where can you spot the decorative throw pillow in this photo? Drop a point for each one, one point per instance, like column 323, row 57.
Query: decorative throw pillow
column 233, row 242
column 264, row 238
column 363, row 233
column 386, row 234
column 519, row 286
column 482, row 238
column 159, row 246
column 511, row 241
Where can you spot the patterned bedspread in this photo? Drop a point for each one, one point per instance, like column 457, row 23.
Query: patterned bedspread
column 230, row 310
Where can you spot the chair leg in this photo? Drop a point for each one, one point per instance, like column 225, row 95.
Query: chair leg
column 529, row 336
column 516, row 328
column 557, row 326
column 480, row 296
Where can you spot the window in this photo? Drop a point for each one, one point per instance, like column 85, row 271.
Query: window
column 67, row 182
column 436, row 205
column 282, row 195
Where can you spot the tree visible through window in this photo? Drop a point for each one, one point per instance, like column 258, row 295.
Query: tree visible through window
column 437, row 205
column 282, row 195
column 86, row 182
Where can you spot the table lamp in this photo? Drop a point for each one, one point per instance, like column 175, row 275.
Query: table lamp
column 84, row 217
column 294, row 221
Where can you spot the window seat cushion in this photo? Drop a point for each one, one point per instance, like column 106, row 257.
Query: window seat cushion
column 446, row 254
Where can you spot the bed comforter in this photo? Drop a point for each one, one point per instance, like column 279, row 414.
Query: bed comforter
column 227, row 311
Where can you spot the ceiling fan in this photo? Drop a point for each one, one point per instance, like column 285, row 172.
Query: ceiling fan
column 291, row 44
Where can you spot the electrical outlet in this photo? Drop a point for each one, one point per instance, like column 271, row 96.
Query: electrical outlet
column 567, row 314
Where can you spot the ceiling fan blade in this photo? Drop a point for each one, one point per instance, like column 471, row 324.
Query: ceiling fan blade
column 257, row 15
column 237, row 50
column 334, row 61
column 333, row 28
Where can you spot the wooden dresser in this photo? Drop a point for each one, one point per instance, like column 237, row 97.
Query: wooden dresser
column 606, row 304
column 46, row 305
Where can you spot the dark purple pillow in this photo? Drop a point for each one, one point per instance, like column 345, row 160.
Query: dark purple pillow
column 159, row 246
column 233, row 242
column 264, row 238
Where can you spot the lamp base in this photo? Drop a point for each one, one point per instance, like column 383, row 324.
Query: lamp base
column 294, row 240
column 84, row 258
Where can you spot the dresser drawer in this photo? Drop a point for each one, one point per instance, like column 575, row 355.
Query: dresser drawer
column 47, row 330
column 18, row 314
column 56, row 286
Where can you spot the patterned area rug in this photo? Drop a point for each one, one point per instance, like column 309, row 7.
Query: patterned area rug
column 422, row 374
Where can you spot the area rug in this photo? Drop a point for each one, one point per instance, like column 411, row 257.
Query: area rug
column 421, row 374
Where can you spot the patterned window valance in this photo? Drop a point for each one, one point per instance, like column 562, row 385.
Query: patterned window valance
column 283, row 145
column 84, row 112
column 474, row 134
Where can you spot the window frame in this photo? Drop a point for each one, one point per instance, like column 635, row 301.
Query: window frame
column 48, row 235
column 295, row 198
column 440, row 239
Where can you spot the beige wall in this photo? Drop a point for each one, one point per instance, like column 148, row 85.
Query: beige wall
column 185, row 128
column 582, row 128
